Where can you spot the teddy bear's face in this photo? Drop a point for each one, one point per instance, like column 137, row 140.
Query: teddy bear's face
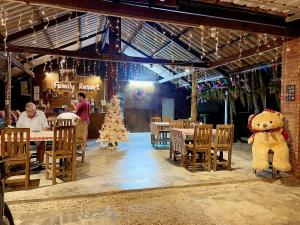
column 267, row 121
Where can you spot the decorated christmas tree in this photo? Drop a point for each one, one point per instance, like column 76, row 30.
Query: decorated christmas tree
column 113, row 129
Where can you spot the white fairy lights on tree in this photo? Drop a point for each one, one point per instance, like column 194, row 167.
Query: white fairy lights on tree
column 113, row 129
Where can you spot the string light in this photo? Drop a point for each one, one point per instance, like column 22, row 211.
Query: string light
column 4, row 16
column 19, row 23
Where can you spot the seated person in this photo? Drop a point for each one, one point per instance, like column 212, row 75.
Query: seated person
column 32, row 118
column 69, row 115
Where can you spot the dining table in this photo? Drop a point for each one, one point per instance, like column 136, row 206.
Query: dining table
column 178, row 139
column 41, row 139
column 156, row 128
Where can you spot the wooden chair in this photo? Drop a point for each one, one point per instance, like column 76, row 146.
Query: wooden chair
column 155, row 119
column 81, row 138
column 15, row 149
column 63, row 148
column 51, row 122
column 200, row 148
column 166, row 119
column 223, row 142
column 177, row 124
column 63, row 122
column 186, row 123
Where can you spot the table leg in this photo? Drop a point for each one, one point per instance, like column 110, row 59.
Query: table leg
column 41, row 149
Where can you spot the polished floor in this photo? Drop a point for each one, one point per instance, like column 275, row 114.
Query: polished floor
column 136, row 165
column 139, row 185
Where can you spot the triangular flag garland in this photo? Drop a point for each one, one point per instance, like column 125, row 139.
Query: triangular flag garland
column 113, row 129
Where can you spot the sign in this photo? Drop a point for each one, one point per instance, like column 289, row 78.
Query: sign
column 63, row 85
column 71, row 86
column 86, row 87
column 290, row 93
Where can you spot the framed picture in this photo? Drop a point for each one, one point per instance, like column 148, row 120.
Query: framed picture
column 24, row 88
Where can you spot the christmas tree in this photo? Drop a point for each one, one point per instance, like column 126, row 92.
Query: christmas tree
column 113, row 129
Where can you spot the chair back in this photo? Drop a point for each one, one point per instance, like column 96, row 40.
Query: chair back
column 177, row 124
column 15, row 143
column 224, row 136
column 81, row 131
column 166, row 119
column 203, row 136
column 64, row 138
column 186, row 123
column 51, row 122
column 63, row 122
column 155, row 119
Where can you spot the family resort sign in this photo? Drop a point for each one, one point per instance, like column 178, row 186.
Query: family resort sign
column 71, row 86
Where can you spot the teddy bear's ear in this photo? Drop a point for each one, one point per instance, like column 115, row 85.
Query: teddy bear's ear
column 250, row 118
column 280, row 115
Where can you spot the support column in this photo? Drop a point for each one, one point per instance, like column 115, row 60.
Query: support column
column 194, row 102
column 8, row 90
column 226, row 108
column 114, row 46
column 291, row 109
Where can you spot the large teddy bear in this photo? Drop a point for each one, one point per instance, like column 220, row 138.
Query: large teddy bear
column 268, row 134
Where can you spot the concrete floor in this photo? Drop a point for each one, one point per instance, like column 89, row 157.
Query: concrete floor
column 141, row 185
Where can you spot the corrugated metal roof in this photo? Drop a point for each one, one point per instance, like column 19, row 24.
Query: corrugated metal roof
column 201, row 41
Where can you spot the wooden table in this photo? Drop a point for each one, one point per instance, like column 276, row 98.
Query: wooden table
column 178, row 137
column 41, row 137
column 156, row 128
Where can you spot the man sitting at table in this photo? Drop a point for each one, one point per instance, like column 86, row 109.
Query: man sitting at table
column 32, row 118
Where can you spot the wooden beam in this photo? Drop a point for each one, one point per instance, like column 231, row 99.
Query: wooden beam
column 170, row 42
column 41, row 19
column 138, row 30
column 95, row 56
column 247, row 53
column 194, row 102
column 42, row 26
column 186, row 15
column 180, row 43
column 18, row 64
column 8, row 90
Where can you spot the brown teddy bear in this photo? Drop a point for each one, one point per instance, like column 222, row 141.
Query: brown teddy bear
column 268, row 134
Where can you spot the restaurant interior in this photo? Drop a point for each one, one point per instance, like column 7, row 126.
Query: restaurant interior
column 153, row 112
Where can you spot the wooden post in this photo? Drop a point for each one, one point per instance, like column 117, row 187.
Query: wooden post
column 8, row 90
column 113, row 49
column 226, row 108
column 194, row 105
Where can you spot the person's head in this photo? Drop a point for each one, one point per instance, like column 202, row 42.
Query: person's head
column 30, row 109
column 81, row 97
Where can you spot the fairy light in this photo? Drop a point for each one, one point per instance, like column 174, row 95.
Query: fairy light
column 78, row 31
column 118, row 35
column 97, row 38
column 4, row 16
column 56, row 40
column 217, row 44
column 46, row 26
column 20, row 21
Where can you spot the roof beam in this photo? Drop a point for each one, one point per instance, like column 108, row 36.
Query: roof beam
column 247, row 53
column 148, row 56
column 177, row 41
column 198, row 14
column 138, row 30
column 95, row 56
column 42, row 26
column 143, row 53
column 40, row 18
column 18, row 64
column 170, row 42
